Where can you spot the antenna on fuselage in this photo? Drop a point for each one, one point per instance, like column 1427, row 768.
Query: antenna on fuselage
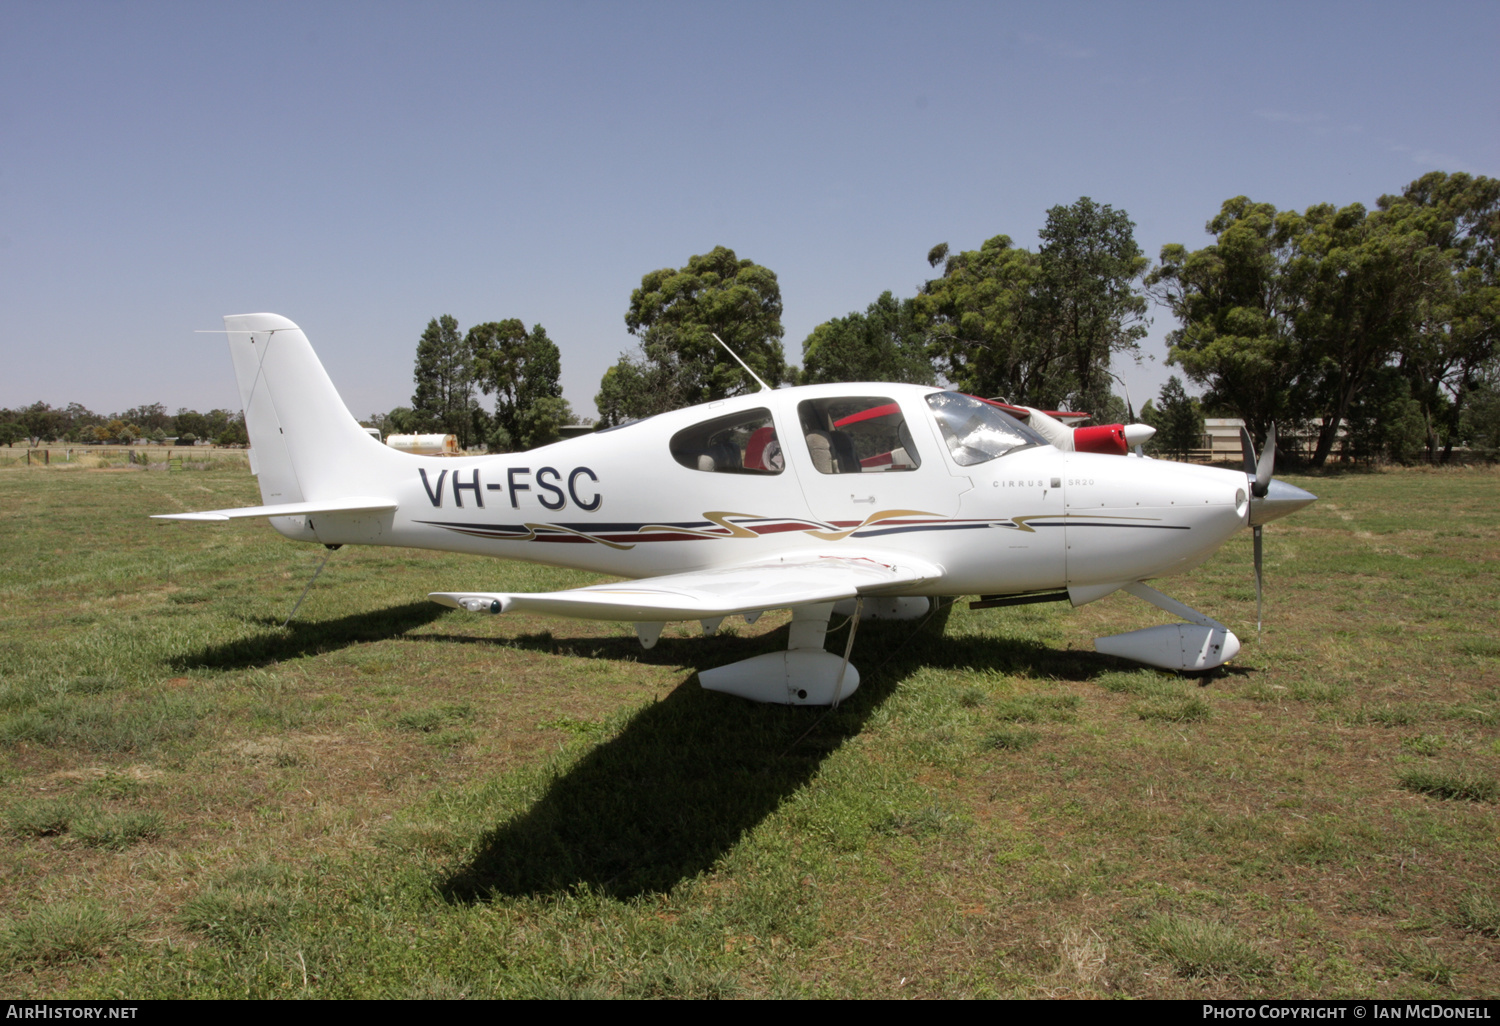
column 742, row 363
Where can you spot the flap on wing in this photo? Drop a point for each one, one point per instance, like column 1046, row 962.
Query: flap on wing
column 704, row 594
column 356, row 504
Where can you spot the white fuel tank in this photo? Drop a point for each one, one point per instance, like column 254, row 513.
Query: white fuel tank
column 1174, row 646
column 425, row 445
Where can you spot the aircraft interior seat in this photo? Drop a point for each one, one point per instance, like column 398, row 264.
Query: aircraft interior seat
column 820, row 448
column 903, row 434
column 726, row 454
column 719, row 456
column 844, row 453
column 762, row 441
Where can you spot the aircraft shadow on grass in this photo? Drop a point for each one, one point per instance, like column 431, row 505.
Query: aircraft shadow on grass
column 309, row 637
column 690, row 775
column 878, row 644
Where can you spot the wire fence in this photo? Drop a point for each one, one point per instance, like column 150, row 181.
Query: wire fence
column 144, row 457
column 1459, row 457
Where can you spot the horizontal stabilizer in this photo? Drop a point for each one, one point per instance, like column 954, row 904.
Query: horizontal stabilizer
column 355, row 504
column 704, row 594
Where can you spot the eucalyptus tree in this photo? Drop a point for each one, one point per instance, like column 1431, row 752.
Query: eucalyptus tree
column 497, row 351
column 1458, row 333
column 1237, row 303
column 675, row 313
column 979, row 322
column 523, row 369
column 1040, row 328
column 1368, row 280
column 885, row 343
column 1086, row 299
column 1293, row 316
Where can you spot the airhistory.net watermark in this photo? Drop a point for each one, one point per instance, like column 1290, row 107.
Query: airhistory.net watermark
column 43, row 1010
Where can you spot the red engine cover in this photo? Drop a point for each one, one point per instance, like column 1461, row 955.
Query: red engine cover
column 1108, row 439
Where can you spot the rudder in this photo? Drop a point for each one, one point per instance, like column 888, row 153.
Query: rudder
column 307, row 445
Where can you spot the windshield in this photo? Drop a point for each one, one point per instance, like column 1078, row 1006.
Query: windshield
column 977, row 432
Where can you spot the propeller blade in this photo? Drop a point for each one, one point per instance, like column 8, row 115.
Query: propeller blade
column 1258, row 596
column 1248, row 448
column 1267, row 464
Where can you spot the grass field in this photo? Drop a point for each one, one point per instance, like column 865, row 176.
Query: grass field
column 390, row 799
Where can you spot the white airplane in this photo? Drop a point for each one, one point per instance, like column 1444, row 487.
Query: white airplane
column 878, row 496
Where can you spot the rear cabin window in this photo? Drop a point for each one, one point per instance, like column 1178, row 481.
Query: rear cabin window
column 857, row 435
column 737, row 443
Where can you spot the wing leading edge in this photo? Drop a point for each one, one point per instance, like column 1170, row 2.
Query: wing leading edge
column 705, row 594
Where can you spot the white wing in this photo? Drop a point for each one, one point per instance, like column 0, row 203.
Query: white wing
column 704, row 594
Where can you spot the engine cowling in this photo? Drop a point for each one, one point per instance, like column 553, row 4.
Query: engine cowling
column 1106, row 439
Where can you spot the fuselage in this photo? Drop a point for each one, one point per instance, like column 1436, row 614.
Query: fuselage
column 858, row 469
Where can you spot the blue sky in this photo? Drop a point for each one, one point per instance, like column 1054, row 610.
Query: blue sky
column 364, row 167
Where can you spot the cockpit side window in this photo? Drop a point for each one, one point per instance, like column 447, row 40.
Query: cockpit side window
column 857, row 435
column 737, row 443
column 977, row 432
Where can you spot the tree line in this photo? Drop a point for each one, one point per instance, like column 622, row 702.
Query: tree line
column 1373, row 330
column 1382, row 323
column 77, row 424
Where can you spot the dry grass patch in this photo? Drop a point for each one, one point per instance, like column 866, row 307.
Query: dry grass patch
column 65, row 931
column 1462, row 785
column 1203, row 947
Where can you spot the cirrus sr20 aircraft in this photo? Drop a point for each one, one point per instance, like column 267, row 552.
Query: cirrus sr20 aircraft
column 877, row 496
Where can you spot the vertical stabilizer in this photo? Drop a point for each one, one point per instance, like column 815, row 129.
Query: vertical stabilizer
column 307, row 445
